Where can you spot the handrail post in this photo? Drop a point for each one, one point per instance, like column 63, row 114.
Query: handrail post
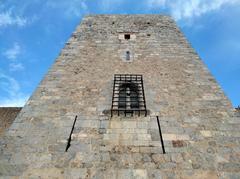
column 160, row 133
column 70, row 136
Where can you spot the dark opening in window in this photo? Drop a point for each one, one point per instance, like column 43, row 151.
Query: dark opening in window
column 127, row 55
column 128, row 96
column 127, row 36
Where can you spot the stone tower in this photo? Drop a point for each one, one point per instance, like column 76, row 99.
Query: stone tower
column 131, row 80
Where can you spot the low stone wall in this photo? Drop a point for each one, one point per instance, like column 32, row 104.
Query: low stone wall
column 7, row 116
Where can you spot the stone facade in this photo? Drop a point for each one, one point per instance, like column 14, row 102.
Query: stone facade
column 7, row 116
column 199, row 126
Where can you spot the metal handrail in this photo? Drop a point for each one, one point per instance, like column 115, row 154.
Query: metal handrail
column 160, row 134
column 70, row 135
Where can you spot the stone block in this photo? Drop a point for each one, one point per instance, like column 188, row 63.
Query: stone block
column 76, row 173
column 175, row 137
column 11, row 170
column 140, row 173
column 206, row 133
column 142, row 125
column 146, row 137
column 124, row 173
column 115, row 124
column 44, row 173
column 129, row 124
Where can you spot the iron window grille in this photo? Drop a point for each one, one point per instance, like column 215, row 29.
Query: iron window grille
column 128, row 95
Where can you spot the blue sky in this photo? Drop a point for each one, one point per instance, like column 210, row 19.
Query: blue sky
column 32, row 33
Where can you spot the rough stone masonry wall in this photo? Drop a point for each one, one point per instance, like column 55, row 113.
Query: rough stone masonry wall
column 7, row 116
column 200, row 132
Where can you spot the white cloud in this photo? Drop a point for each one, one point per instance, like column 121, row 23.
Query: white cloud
column 11, row 88
column 16, row 67
column 186, row 9
column 156, row 3
column 14, row 102
column 194, row 8
column 9, row 85
column 108, row 5
column 73, row 8
column 13, row 52
column 7, row 19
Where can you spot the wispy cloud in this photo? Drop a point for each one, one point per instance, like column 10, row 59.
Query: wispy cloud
column 13, row 52
column 11, row 87
column 186, row 9
column 16, row 102
column 156, row 3
column 16, row 67
column 109, row 5
column 8, row 19
column 74, row 8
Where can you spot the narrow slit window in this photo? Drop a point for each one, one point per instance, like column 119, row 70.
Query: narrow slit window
column 127, row 56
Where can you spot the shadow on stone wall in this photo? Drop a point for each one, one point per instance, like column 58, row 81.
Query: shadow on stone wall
column 7, row 116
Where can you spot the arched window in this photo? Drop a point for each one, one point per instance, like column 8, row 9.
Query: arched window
column 128, row 96
column 127, row 56
column 134, row 99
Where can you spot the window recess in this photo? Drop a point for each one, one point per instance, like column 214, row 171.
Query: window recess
column 128, row 95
